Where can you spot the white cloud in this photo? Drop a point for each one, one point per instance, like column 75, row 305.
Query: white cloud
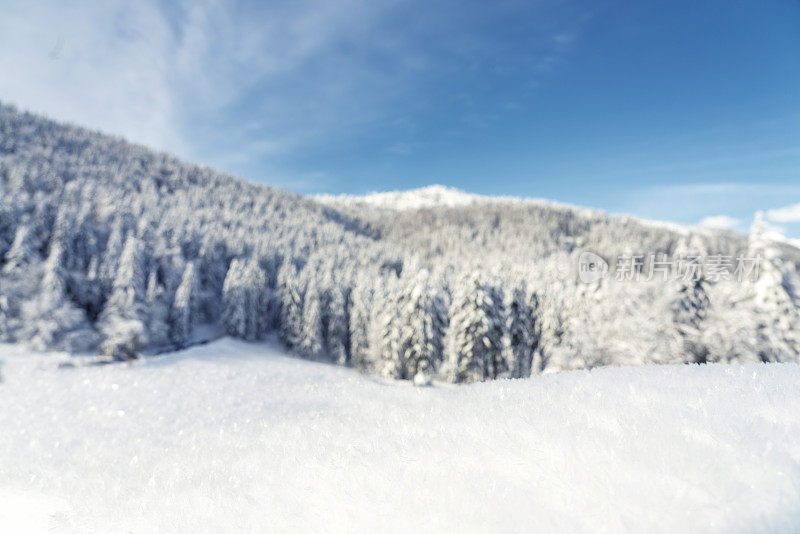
column 775, row 232
column 786, row 214
column 226, row 82
column 722, row 222
column 704, row 202
column 106, row 68
column 137, row 68
column 771, row 231
column 172, row 76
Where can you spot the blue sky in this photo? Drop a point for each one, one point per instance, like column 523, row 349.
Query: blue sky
column 669, row 110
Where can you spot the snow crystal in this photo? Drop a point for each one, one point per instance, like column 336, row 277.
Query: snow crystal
column 233, row 436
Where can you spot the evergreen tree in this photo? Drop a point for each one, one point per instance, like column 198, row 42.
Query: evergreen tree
column 520, row 339
column 550, row 306
column 50, row 319
column 258, row 302
column 385, row 332
column 689, row 311
column 475, row 334
column 361, row 301
column 8, row 219
column 290, row 297
column 159, row 312
column 22, row 252
column 107, row 269
column 182, row 316
column 211, row 272
column 83, row 243
column 311, row 335
column 421, row 324
column 778, row 317
column 335, row 325
column 124, row 318
column 234, row 301
column 88, row 290
column 534, row 307
column 248, row 303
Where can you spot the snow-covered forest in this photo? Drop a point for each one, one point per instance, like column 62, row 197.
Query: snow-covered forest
column 109, row 247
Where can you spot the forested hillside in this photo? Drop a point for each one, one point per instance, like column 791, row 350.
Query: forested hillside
column 107, row 246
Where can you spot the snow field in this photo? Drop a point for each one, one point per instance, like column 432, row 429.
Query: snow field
column 237, row 437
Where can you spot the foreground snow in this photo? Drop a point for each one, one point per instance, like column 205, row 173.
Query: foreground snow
column 237, row 437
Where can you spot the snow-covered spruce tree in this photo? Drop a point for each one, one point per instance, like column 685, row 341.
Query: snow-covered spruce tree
column 385, row 331
column 182, row 317
column 689, row 312
column 311, row 343
column 159, row 311
column 582, row 343
column 82, row 241
column 62, row 230
column 361, row 301
column 335, row 324
column 8, row 220
column 520, row 340
column 50, row 319
column 290, row 298
column 234, row 300
column 124, row 317
column 107, row 269
column 536, row 334
column 421, row 322
column 474, row 341
column 250, row 282
column 778, row 317
column 549, row 309
column 259, row 319
column 247, row 302
column 5, row 319
column 730, row 328
column 87, row 289
column 22, row 252
column 43, row 218
column 211, row 272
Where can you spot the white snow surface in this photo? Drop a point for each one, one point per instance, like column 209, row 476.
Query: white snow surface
column 435, row 196
column 426, row 197
column 238, row 437
column 440, row 196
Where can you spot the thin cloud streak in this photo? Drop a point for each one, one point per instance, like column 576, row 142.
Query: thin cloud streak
column 786, row 214
column 185, row 76
column 106, row 68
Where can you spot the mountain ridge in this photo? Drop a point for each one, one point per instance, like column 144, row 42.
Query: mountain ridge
column 107, row 246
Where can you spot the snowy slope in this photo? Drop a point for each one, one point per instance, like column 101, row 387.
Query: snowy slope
column 440, row 196
column 237, row 437
column 425, row 197
column 435, row 196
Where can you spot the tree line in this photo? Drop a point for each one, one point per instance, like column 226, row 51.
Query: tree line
column 106, row 246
